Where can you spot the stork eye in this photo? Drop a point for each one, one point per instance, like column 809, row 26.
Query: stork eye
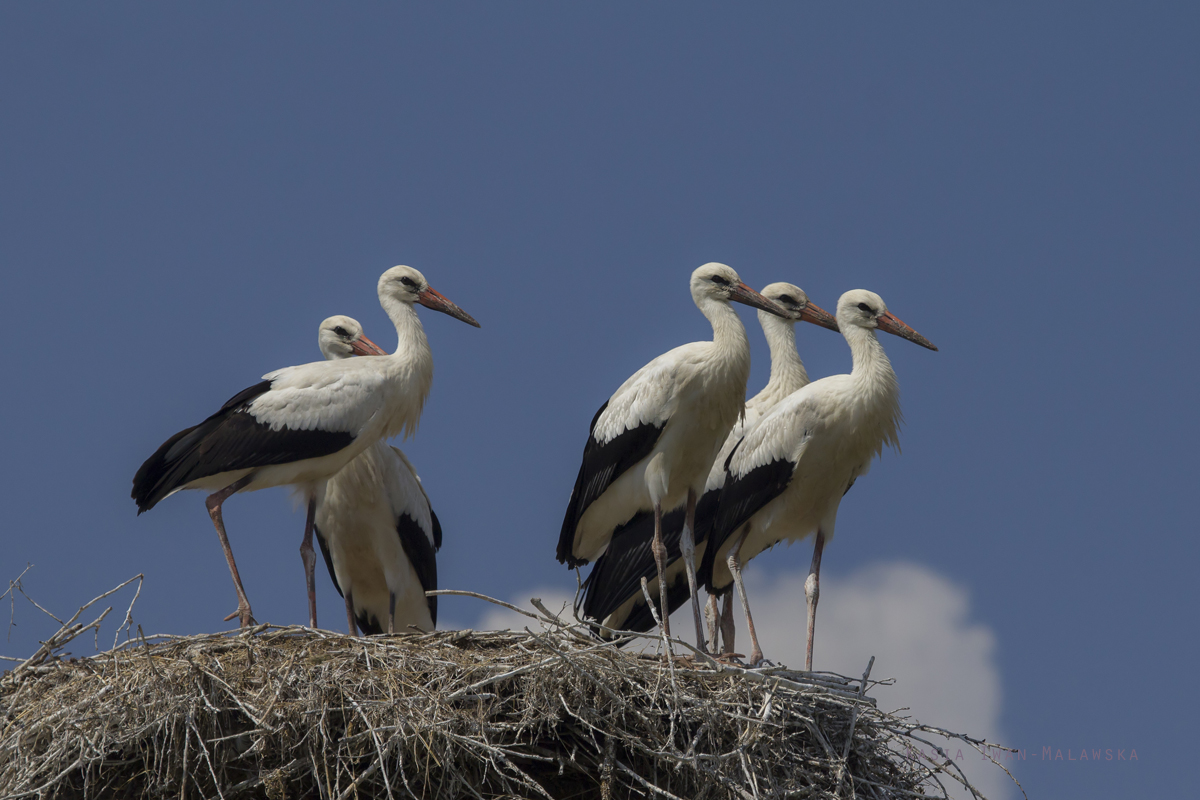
column 407, row 281
column 787, row 298
column 866, row 308
column 340, row 331
column 719, row 280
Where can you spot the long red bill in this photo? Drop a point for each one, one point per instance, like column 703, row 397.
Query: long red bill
column 362, row 346
column 744, row 294
column 888, row 322
column 818, row 316
column 432, row 299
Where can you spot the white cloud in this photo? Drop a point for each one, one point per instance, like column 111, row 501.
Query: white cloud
column 917, row 625
column 916, row 622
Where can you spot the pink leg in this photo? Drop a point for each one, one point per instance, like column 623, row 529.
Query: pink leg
column 812, row 591
column 213, row 503
column 756, row 655
column 728, row 630
column 687, row 549
column 713, row 617
column 309, row 557
column 660, row 560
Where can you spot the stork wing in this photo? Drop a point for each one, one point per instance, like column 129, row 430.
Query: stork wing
column 231, row 439
column 419, row 549
column 603, row 462
column 625, row 430
column 759, row 469
column 617, row 575
column 324, row 395
column 328, row 560
column 433, row 520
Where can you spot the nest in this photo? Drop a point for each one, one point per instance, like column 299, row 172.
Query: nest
column 283, row 712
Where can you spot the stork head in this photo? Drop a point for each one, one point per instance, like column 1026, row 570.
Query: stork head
column 719, row 282
column 862, row 309
column 795, row 302
column 342, row 337
column 407, row 285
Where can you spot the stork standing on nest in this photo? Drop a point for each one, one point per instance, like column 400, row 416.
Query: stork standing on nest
column 651, row 445
column 375, row 525
column 612, row 594
column 302, row 424
column 787, row 476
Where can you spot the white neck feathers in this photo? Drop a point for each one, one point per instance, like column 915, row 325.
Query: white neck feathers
column 412, row 366
column 728, row 332
column 787, row 370
column 877, row 389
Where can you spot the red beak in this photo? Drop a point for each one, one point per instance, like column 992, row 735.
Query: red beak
column 744, row 294
column 362, row 346
column 818, row 316
column 431, row 299
column 888, row 322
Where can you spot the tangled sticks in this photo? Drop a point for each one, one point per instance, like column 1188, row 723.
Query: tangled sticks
column 289, row 712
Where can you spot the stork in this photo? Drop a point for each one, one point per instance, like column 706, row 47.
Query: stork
column 375, row 526
column 651, row 445
column 787, row 476
column 341, row 337
column 302, row 424
column 612, row 593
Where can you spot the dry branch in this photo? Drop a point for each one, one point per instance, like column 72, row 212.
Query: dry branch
column 293, row 712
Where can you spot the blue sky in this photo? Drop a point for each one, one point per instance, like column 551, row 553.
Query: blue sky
column 185, row 192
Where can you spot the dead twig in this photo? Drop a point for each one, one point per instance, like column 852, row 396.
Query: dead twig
column 287, row 711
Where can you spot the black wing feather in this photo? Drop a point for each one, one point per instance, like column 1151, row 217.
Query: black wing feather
column 328, row 560
column 740, row 499
column 602, row 464
column 230, row 439
column 618, row 573
column 437, row 530
column 421, row 553
column 368, row 624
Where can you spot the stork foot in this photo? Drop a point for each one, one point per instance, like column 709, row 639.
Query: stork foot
column 760, row 662
column 244, row 615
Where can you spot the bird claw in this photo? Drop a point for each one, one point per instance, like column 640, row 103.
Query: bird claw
column 761, row 663
column 729, row 658
column 245, row 617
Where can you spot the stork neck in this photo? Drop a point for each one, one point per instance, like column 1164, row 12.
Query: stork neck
column 409, row 331
column 787, row 370
column 728, row 332
column 409, row 369
column 871, row 364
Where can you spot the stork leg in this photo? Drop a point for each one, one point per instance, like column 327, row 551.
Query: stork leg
column 391, row 612
column 687, row 548
column 735, row 567
column 712, row 616
column 728, row 630
column 660, row 560
column 812, row 591
column 351, row 623
column 213, row 504
column 309, row 557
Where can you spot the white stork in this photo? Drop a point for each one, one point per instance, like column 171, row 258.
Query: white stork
column 341, row 337
column 375, row 525
column 651, row 445
column 612, row 594
column 787, row 476
column 302, row 424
